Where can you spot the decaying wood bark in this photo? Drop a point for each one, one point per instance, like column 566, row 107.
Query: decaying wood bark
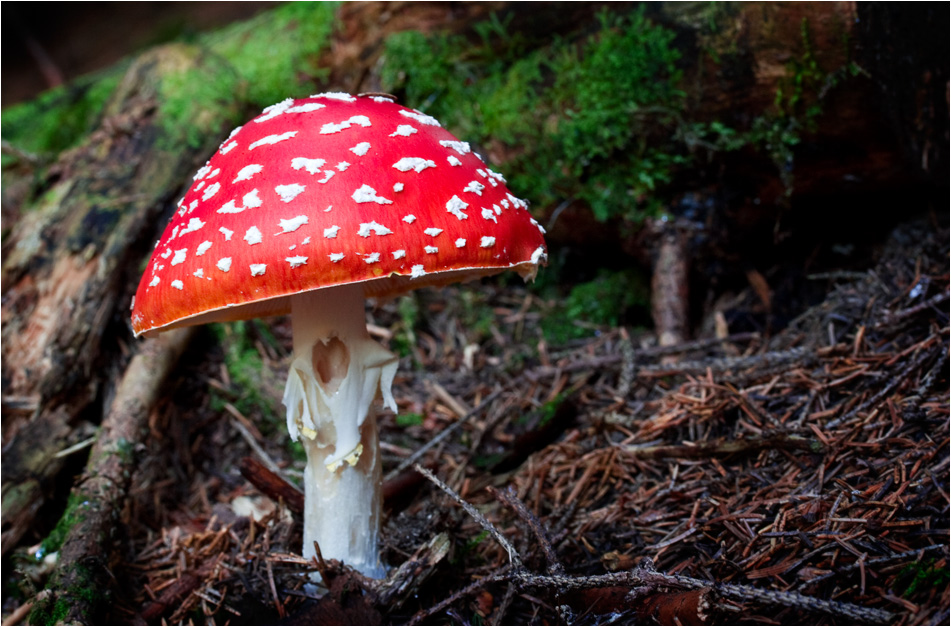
column 70, row 268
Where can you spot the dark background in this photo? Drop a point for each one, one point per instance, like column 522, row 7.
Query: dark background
column 48, row 43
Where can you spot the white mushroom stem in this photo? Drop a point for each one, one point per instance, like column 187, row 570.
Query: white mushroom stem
column 332, row 382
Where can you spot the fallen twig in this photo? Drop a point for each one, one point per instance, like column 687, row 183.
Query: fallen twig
column 272, row 484
column 645, row 575
column 701, row 450
column 894, row 317
column 510, row 500
column 513, row 554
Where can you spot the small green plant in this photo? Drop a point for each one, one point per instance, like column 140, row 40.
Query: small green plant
column 540, row 417
column 487, row 461
column 476, row 316
column 252, row 393
column 298, row 454
column 920, row 577
column 409, row 419
column 473, row 543
column 404, row 334
column 549, row 409
column 603, row 302
column 797, row 107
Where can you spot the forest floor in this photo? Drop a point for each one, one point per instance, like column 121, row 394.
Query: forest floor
column 795, row 479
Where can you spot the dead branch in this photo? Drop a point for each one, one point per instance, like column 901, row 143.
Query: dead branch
column 272, row 485
column 476, row 515
column 669, row 286
column 510, row 500
column 701, row 450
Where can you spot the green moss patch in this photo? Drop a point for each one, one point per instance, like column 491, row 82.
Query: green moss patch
column 197, row 99
column 571, row 117
column 55, row 539
column 599, row 118
column 58, row 119
column 611, row 299
column 277, row 53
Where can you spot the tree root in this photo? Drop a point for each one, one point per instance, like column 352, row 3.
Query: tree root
column 77, row 589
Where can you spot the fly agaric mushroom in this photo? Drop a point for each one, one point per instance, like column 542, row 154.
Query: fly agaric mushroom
column 308, row 209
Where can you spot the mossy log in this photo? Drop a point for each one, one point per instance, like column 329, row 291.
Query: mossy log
column 68, row 268
column 803, row 93
column 78, row 587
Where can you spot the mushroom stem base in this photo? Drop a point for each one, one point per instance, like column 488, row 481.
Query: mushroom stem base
column 343, row 507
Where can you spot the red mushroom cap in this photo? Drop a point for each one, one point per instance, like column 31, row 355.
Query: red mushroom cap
column 325, row 191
